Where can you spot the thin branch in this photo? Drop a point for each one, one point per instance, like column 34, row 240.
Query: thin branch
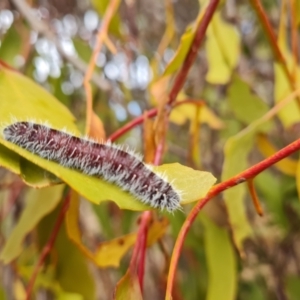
column 216, row 190
column 47, row 248
column 188, row 62
column 101, row 37
column 258, row 8
column 42, row 28
column 254, row 197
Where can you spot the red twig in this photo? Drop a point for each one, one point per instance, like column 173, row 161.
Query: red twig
column 137, row 121
column 191, row 55
column 217, row 189
column 47, row 248
column 140, row 248
column 143, row 248
column 150, row 114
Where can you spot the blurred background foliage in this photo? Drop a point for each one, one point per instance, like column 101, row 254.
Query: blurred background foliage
column 230, row 251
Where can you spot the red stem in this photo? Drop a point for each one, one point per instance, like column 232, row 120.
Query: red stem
column 140, row 247
column 149, row 114
column 47, row 248
column 191, row 56
column 143, row 248
column 137, row 121
column 217, row 189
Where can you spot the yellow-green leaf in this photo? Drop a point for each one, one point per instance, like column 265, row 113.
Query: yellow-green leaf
column 221, row 262
column 246, row 106
column 290, row 114
column 19, row 92
column 70, row 266
column 23, row 99
column 184, row 46
column 36, row 176
column 222, row 50
column 192, row 183
column 9, row 160
column 236, row 160
column 128, row 288
column 38, row 204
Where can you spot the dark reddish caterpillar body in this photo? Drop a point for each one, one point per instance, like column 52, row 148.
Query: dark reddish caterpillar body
column 107, row 161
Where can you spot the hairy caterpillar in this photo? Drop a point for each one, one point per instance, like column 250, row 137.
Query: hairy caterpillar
column 108, row 161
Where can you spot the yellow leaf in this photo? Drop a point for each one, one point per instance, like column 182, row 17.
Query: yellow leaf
column 222, row 50
column 287, row 166
column 72, row 224
column 159, row 90
column 182, row 113
column 19, row 290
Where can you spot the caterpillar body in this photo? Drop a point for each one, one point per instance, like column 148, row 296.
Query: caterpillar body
column 105, row 160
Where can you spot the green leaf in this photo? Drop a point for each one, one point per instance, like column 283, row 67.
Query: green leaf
column 246, row 106
column 36, row 176
column 83, row 49
column 38, row 204
column 221, row 262
column 222, row 50
column 293, row 287
column 273, row 195
column 181, row 52
column 10, row 46
column 70, row 265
